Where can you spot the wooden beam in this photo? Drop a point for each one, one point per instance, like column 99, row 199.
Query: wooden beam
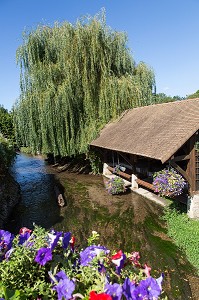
column 180, row 158
column 145, row 184
column 125, row 158
column 180, row 170
column 191, row 166
column 126, row 176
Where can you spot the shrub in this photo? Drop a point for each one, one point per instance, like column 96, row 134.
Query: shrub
column 47, row 265
column 168, row 182
column 7, row 152
column 95, row 162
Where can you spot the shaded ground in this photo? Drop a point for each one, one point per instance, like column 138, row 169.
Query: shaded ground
column 128, row 222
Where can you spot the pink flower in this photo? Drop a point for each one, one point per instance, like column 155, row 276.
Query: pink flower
column 135, row 256
column 147, row 270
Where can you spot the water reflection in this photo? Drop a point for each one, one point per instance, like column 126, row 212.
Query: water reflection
column 38, row 204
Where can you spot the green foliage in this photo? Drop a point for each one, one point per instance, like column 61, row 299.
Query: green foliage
column 185, row 233
column 163, row 98
column 74, row 79
column 26, row 150
column 6, row 124
column 194, row 95
column 20, row 267
column 95, row 162
column 93, row 239
column 7, row 152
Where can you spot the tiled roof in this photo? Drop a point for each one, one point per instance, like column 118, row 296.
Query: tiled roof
column 155, row 131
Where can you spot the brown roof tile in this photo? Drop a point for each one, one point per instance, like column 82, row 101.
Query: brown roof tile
column 156, row 131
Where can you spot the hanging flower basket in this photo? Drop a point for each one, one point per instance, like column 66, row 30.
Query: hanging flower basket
column 168, row 182
column 115, row 185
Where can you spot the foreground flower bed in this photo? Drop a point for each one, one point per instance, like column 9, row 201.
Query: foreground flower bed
column 47, row 265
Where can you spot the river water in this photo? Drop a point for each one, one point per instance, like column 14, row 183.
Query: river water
column 128, row 222
column 37, row 204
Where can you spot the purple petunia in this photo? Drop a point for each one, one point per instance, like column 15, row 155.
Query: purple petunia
column 64, row 289
column 128, row 289
column 53, row 239
column 87, row 255
column 8, row 253
column 148, row 288
column 23, row 238
column 168, row 182
column 114, row 290
column 159, row 280
column 63, row 285
column 6, row 239
column 43, row 256
column 61, row 275
column 66, row 239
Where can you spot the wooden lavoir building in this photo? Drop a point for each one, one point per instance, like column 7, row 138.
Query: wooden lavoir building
column 146, row 139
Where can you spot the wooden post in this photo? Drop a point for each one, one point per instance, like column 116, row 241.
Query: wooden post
column 191, row 166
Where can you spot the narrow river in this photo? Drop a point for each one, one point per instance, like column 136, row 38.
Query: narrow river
column 128, row 222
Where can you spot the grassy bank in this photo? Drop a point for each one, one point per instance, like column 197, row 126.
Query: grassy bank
column 185, row 233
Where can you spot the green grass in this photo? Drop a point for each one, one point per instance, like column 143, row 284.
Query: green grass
column 185, row 233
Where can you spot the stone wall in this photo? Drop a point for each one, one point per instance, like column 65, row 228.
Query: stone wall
column 193, row 207
column 9, row 196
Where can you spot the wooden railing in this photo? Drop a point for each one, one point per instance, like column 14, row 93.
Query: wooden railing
column 145, row 184
column 128, row 177
column 125, row 175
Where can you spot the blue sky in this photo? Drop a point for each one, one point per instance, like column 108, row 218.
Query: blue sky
column 162, row 33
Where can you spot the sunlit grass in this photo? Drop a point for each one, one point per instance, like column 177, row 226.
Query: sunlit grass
column 185, row 233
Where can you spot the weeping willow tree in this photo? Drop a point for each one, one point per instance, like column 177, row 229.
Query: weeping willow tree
column 74, row 79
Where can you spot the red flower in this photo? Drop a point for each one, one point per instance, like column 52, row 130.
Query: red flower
column 118, row 259
column 72, row 242
column 102, row 296
column 118, row 255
